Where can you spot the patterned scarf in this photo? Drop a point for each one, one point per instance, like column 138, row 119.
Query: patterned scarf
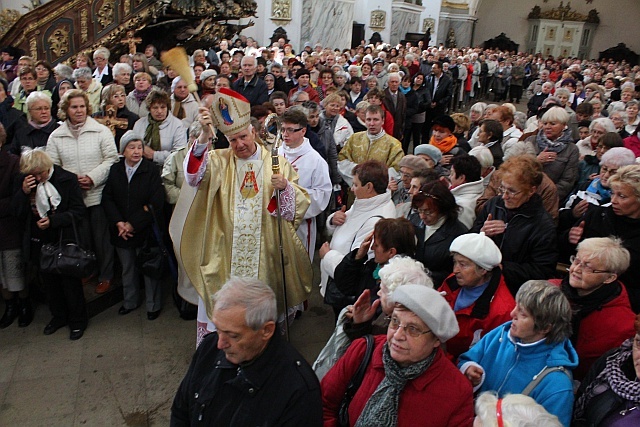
column 612, row 377
column 152, row 134
column 141, row 96
column 446, row 144
column 554, row 146
column 596, row 187
column 382, row 407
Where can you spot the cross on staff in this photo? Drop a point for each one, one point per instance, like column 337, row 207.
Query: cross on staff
column 111, row 121
column 131, row 41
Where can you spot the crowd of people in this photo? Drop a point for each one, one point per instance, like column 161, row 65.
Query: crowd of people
column 465, row 246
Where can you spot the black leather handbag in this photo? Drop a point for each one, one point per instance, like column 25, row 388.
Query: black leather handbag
column 67, row 258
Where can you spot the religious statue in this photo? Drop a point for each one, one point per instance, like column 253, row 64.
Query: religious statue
column 131, row 41
column 451, row 38
column 111, row 121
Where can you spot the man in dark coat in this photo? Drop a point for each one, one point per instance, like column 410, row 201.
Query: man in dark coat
column 396, row 104
column 441, row 87
column 245, row 374
column 251, row 86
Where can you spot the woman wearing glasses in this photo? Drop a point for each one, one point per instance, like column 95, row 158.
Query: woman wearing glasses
column 37, row 132
column 602, row 316
column 408, row 380
column 609, row 395
column 620, row 219
column 519, row 225
column 531, row 354
column 438, row 211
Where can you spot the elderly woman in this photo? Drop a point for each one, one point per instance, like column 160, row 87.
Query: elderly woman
column 341, row 129
column 114, row 106
column 609, row 395
column 619, row 119
column 85, row 147
column 357, row 272
column 439, row 212
column 409, row 379
column 136, row 98
column 37, row 132
column 46, row 79
column 50, row 202
column 408, row 166
column 103, row 72
column 350, row 228
column 531, row 354
column 602, row 315
column 163, row 132
column 516, row 220
column 621, row 219
column 141, row 65
column 93, row 88
column 476, row 290
column 511, row 410
column 589, row 166
column 633, row 120
column 490, row 136
column 597, row 129
column 555, row 149
column 476, row 113
column 12, row 281
column 122, row 76
column 130, row 200
column 596, row 191
column 442, row 138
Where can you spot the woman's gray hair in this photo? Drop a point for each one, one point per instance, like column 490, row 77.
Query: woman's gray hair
column 519, row 120
column 563, row 91
column 484, row 156
column 300, row 108
column 518, row 410
column 555, row 114
column 38, row 96
column 632, row 102
column 102, row 51
column 620, row 112
column 618, row 157
column 257, row 298
column 82, row 73
column 312, row 106
column 629, row 175
column 609, row 250
column 605, row 122
column 478, row 107
column 362, row 105
column 403, row 270
column 549, row 308
column 121, row 67
column 355, row 67
column 63, row 71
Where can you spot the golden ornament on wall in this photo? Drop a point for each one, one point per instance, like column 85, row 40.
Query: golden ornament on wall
column 8, row 17
column 84, row 26
column 378, row 18
column 59, row 42
column 106, row 14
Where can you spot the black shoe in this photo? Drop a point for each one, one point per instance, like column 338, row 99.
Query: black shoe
column 123, row 310
column 76, row 334
column 52, row 327
column 25, row 312
column 153, row 315
column 10, row 313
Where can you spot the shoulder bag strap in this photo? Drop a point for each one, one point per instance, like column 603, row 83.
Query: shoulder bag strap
column 539, row 377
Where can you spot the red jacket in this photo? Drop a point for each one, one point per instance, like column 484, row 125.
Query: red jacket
column 491, row 310
column 633, row 143
column 602, row 330
column 441, row 396
column 313, row 94
column 388, row 121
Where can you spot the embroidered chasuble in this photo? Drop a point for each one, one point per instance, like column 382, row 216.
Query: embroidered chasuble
column 229, row 231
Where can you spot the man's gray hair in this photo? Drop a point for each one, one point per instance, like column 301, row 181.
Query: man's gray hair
column 300, row 108
column 195, row 130
column 549, row 308
column 258, row 299
column 63, row 71
column 83, row 73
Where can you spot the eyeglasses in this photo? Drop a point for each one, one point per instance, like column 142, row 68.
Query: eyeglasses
column 425, row 212
column 41, row 109
column 586, row 268
column 412, row 331
column 508, row 191
column 291, row 130
column 604, row 170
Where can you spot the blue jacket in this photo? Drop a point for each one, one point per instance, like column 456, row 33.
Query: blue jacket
column 510, row 366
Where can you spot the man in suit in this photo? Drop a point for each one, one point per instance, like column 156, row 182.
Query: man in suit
column 441, row 87
column 396, row 104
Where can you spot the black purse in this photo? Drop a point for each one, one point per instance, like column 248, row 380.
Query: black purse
column 67, row 259
column 334, row 296
column 354, row 384
column 153, row 258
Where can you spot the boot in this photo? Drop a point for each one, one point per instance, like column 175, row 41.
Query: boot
column 10, row 313
column 25, row 312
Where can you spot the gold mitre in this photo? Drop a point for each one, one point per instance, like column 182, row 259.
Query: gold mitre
column 231, row 112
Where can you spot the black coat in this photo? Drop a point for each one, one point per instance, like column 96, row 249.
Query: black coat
column 10, row 235
column 276, row 389
column 353, row 275
column 434, row 253
column 125, row 201
column 529, row 243
column 28, row 136
column 12, row 120
column 442, row 95
column 255, row 92
column 603, row 222
column 71, row 208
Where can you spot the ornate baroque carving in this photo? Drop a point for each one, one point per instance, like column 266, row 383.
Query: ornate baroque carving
column 33, row 47
column 281, row 10
column 127, row 7
column 429, row 23
column 58, row 42
column 378, row 18
column 106, row 13
column 84, row 26
column 8, row 17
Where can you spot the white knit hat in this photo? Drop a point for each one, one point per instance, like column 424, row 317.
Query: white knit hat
column 430, row 307
column 478, row 248
column 206, row 74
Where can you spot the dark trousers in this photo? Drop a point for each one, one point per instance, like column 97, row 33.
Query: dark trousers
column 66, row 300
column 98, row 226
column 131, row 283
column 412, row 133
column 515, row 93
